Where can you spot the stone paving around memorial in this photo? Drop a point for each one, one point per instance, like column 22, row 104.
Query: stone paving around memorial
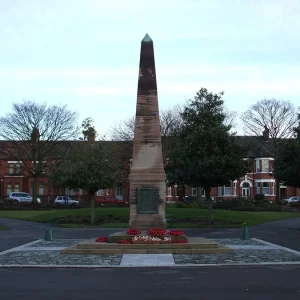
column 42, row 253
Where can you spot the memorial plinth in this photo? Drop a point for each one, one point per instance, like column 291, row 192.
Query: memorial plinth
column 147, row 175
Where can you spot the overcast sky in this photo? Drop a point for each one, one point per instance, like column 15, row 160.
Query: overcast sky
column 85, row 53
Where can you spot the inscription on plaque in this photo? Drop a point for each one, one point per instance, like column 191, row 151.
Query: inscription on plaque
column 147, row 200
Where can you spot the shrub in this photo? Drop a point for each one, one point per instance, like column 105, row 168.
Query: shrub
column 259, row 198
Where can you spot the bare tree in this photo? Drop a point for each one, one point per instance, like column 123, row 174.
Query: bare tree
column 123, row 130
column 32, row 133
column 230, row 119
column 170, row 119
column 275, row 120
column 277, row 117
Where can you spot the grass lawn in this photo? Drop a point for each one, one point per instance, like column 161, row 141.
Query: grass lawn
column 251, row 218
column 2, row 227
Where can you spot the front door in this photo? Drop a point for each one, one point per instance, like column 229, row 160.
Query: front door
column 246, row 192
column 246, row 189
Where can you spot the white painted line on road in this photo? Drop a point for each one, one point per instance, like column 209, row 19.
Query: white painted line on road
column 275, row 246
column 20, row 248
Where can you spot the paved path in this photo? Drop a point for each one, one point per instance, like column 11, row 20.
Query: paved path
column 41, row 253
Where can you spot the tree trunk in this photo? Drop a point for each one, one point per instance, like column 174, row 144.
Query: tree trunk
column 210, row 208
column 34, row 184
column 199, row 194
column 92, row 202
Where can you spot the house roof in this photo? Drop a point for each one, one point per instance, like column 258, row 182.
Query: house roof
column 256, row 147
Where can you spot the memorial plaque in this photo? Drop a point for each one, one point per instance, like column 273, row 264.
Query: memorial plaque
column 147, row 200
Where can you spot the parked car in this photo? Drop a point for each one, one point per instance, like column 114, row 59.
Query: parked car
column 291, row 199
column 112, row 201
column 20, row 197
column 65, row 200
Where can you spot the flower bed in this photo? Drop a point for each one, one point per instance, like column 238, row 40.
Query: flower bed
column 103, row 239
column 133, row 231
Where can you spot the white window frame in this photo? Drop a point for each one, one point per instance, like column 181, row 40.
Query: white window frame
column 268, row 189
column 228, row 190
column 257, row 166
column 101, row 192
column 169, row 191
column 234, row 188
column 257, row 187
column 194, row 191
column 41, row 189
column 220, row 191
column 17, row 187
column 9, row 189
column 265, row 166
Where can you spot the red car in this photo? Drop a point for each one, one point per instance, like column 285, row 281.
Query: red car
column 111, row 202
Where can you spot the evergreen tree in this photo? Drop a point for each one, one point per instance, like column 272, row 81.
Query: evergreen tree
column 204, row 152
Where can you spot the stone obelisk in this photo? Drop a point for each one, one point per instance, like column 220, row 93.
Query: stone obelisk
column 147, row 175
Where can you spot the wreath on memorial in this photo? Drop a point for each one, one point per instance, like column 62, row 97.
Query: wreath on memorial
column 103, row 239
column 151, row 240
column 133, row 232
column 157, row 231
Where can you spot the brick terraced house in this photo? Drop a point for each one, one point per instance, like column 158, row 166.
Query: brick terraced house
column 13, row 178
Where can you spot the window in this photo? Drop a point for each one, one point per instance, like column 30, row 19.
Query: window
column 265, row 165
column 194, row 191
column 246, row 189
column 272, row 187
column 257, row 165
column 119, row 191
column 169, row 191
column 227, row 189
column 18, row 169
column 266, row 188
column 41, row 189
column 8, row 189
column 72, row 192
column 17, row 188
column 257, row 185
column 11, row 169
column 220, row 191
column 100, row 193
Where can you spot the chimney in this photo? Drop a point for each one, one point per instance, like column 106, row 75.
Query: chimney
column 35, row 135
column 91, row 138
column 266, row 133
